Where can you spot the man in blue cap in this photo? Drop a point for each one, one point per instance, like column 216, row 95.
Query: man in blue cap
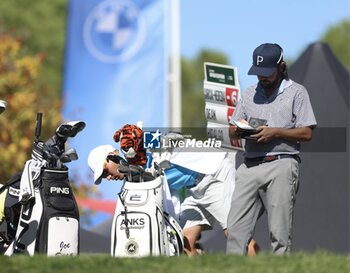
column 280, row 112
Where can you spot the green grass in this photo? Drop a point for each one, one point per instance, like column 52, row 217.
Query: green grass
column 318, row 262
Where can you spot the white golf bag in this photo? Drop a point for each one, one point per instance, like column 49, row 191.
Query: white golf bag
column 49, row 217
column 141, row 226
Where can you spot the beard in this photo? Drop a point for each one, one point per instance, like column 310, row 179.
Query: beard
column 267, row 84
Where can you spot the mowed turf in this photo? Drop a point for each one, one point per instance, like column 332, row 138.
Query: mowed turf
column 264, row 263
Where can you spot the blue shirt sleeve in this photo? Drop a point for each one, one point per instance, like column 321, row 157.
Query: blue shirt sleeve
column 179, row 177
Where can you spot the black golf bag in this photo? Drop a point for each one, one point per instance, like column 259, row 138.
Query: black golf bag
column 49, row 218
column 58, row 231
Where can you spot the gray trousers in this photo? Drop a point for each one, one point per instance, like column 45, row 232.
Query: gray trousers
column 279, row 179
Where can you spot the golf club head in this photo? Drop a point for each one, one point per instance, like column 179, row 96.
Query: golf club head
column 2, row 106
column 54, row 146
column 136, row 169
column 72, row 153
column 69, row 155
column 65, row 158
column 50, row 157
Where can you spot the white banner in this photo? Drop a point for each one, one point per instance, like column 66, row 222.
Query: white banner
column 222, row 92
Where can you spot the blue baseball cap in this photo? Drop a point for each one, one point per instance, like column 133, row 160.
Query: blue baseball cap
column 266, row 58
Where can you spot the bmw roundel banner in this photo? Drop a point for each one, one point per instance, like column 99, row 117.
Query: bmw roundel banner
column 115, row 72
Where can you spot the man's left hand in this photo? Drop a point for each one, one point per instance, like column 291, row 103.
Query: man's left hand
column 265, row 134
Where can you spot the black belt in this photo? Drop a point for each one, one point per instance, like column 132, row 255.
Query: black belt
column 269, row 158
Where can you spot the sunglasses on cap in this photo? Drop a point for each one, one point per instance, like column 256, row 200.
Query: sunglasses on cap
column 115, row 158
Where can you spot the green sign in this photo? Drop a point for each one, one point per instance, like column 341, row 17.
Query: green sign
column 217, row 73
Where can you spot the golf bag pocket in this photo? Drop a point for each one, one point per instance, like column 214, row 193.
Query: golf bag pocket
column 58, row 232
column 59, row 197
column 62, row 234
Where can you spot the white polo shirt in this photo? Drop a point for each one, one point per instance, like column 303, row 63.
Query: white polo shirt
column 288, row 107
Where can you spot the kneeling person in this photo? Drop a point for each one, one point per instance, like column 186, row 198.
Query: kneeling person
column 104, row 161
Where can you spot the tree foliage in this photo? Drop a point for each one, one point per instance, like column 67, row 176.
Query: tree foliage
column 41, row 24
column 338, row 38
column 25, row 96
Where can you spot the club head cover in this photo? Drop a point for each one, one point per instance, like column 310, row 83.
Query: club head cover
column 70, row 129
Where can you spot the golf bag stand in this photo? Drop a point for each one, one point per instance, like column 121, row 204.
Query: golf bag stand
column 140, row 226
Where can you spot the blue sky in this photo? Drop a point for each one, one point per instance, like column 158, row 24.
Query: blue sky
column 236, row 28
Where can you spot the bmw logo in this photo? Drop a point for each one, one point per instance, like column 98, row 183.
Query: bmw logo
column 114, row 31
